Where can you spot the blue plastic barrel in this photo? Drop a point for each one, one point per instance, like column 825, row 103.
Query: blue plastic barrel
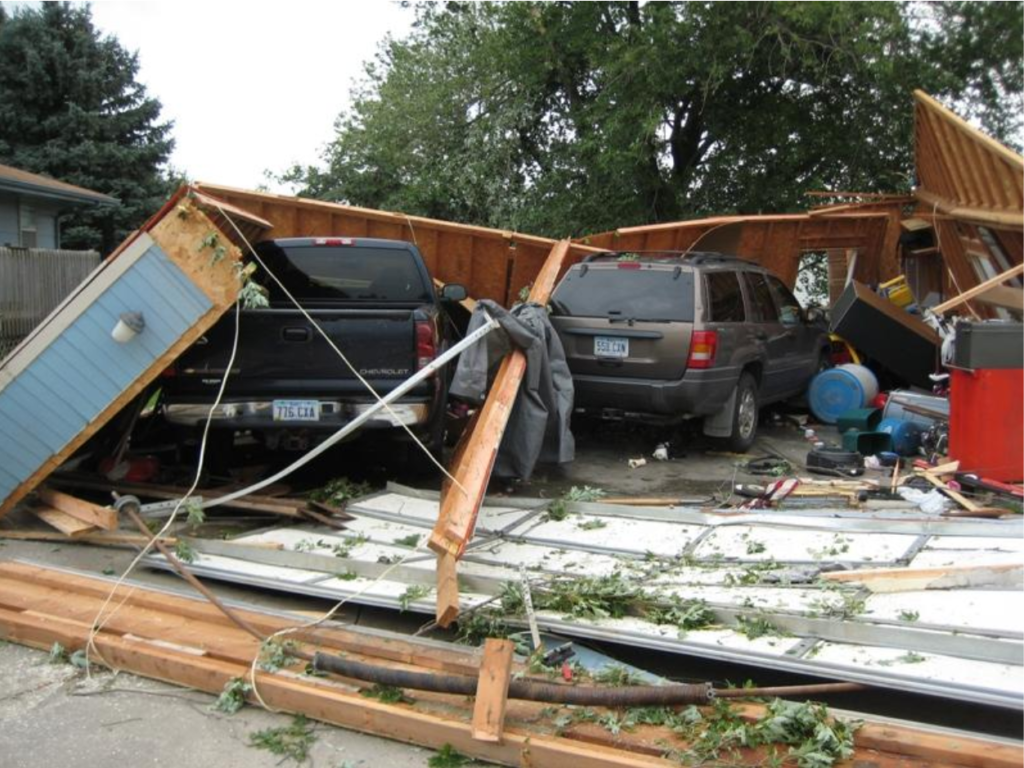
column 841, row 389
column 906, row 435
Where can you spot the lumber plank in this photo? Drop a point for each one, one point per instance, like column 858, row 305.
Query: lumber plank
column 63, row 522
column 460, row 505
column 458, row 512
column 81, row 509
column 492, row 690
column 457, row 662
column 100, row 538
column 318, row 701
column 959, row 498
column 1003, row 296
column 447, row 589
column 947, row 577
column 182, row 662
column 979, row 289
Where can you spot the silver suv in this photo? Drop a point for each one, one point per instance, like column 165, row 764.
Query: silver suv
column 663, row 337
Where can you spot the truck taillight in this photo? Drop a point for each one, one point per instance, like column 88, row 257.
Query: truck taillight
column 426, row 344
column 703, row 345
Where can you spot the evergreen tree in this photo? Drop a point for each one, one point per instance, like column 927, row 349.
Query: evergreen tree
column 70, row 108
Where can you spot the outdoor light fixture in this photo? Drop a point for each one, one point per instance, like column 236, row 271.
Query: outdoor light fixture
column 129, row 325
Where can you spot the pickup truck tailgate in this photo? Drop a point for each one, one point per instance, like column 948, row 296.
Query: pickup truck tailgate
column 279, row 351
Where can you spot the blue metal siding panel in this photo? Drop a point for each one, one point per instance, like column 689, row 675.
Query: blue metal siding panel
column 84, row 370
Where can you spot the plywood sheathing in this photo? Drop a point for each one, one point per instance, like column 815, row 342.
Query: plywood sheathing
column 491, row 263
column 778, row 241
column 967, row 181
column 964, row 173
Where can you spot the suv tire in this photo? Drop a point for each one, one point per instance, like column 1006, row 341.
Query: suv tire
column 744, row 415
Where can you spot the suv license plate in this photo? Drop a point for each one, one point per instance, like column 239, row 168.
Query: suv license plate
column 296, row 410
column 609, row 346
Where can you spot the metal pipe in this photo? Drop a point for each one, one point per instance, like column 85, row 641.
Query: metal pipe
column 365, row 416
column 530, row 690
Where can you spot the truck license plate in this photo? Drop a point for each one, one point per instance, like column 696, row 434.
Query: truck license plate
column 296, row 410
column 608, row 346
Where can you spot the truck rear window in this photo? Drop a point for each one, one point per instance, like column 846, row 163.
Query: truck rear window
column 342, row 273
column 639, row 294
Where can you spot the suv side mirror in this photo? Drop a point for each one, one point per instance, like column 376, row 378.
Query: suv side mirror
column 454, row 292
column 814, row 315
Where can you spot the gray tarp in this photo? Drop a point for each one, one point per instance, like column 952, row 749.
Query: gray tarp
column 538, row 428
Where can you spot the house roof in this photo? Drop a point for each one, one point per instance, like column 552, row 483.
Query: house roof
column 23, row 182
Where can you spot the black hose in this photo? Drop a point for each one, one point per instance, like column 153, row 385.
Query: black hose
column 530, row 690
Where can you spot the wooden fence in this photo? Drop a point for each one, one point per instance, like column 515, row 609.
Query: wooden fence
column 33, row 281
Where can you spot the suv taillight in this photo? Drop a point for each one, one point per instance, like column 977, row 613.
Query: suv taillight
column 426, row 345
column 703, row 345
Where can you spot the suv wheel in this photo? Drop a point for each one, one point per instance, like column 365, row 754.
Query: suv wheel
column 744, row 418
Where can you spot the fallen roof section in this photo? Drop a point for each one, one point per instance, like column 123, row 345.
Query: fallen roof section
column 160, row 634
column 776, row 241
column 491, row 263
column 69, row 377
column 757, row 575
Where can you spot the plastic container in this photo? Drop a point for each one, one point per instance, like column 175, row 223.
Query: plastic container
column 986, row 423
column 895, row 407
column 867, row 443
column 841, row 389
column 860, row 419
column 905, row 435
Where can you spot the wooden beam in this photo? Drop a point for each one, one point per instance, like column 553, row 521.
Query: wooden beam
column 459, row 508
column 460, row 504
column 1003, row 296
column 102, row 539
column 87, row 512
column 181, row 641
column 320, row 700
column 981, row 216
column 447, row 589
column 63, row 522
column 978, row 290
column 947, row 577
column 959, row 498
column 492, row 690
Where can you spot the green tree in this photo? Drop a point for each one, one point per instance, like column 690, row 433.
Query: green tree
column 70, row 108
column 564, row 118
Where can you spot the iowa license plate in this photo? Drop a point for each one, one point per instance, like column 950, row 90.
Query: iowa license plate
column 611, row 346
column 296, row 410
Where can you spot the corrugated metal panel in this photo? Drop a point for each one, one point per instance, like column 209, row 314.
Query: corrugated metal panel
column 84, row 370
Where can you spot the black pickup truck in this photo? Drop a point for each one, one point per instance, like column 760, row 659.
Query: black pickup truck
column 288, row 387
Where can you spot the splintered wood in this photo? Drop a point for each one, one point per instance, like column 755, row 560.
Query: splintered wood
column 476, row 453
column 188, row 642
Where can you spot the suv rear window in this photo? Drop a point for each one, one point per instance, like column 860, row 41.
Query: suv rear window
column 626, row 292
column 342, row 273
column 725, row 300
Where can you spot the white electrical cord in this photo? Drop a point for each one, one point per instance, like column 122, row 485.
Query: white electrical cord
column 100, row 621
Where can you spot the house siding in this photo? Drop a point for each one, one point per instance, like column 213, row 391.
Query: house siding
column 82, row 371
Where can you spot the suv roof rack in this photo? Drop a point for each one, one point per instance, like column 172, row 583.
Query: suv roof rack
column 695, row 257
